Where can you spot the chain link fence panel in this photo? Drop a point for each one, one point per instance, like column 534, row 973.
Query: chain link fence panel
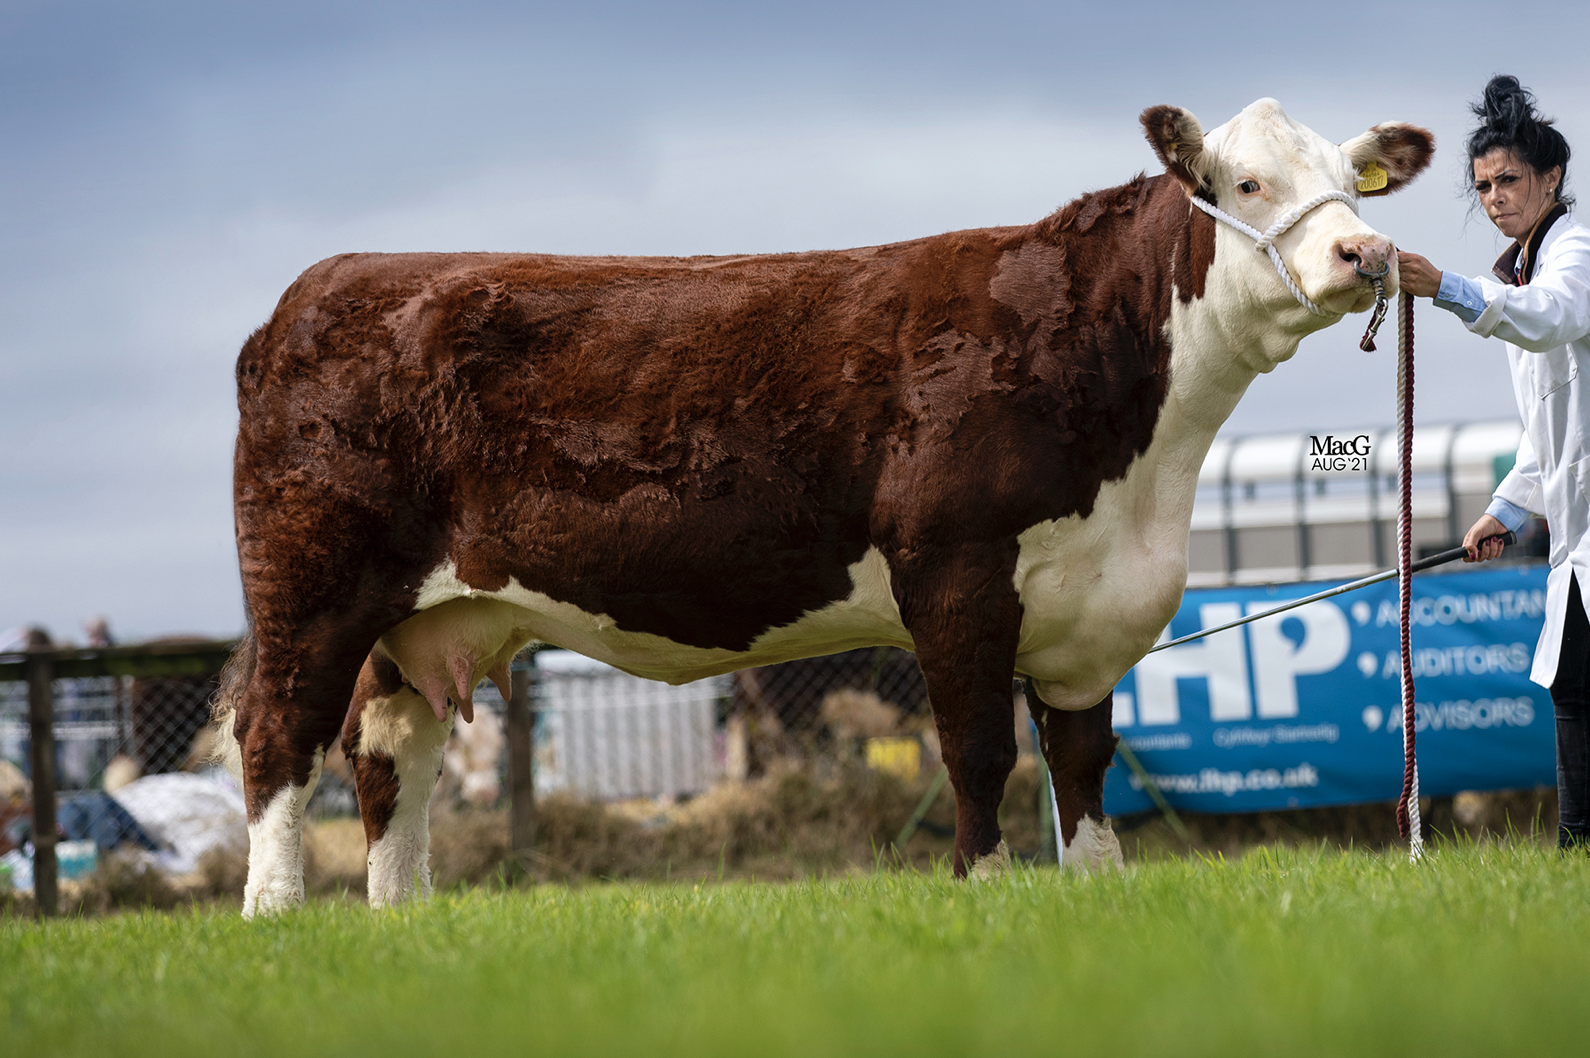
column 134, row 768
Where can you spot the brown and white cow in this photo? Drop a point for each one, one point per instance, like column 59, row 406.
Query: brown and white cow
column 981, row 446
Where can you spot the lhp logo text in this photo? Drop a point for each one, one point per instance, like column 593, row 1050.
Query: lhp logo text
column 1224, row 662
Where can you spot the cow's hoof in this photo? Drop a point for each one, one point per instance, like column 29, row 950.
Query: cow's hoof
column 267, row 902
column 387, row 889
column 1093, row 848
column 995, row 865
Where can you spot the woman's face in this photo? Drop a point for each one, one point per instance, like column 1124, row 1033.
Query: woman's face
column 1513, row 194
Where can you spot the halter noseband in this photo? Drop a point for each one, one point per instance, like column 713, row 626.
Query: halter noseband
column 1265, row 240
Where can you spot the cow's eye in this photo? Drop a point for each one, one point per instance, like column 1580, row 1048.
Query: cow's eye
column 1249, row 187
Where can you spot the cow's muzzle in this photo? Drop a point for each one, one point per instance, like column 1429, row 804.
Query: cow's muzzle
column 1370, row 258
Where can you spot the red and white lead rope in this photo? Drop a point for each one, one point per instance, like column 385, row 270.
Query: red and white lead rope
column 1408, row 806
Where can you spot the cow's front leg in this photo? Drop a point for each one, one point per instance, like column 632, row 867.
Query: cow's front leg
column 1078, row 746
column 965, row 618
column 396, row 743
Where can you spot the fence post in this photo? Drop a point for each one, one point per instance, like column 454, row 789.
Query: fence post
column 41, row 735
column 521, row 763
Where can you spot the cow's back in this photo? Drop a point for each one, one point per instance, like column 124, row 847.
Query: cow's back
column 689, row 445
column 639, row 369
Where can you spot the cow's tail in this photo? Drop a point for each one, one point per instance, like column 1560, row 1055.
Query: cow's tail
column 235, row 677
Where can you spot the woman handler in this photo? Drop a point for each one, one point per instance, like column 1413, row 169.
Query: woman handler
column 1539, row 303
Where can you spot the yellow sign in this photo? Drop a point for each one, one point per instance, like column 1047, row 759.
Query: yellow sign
column 1373, row 178
column 901, row 757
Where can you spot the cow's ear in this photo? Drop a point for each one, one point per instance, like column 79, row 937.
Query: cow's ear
column 1399, row 152
column 1178, row 139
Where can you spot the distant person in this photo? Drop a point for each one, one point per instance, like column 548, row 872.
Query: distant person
column 1539, row 303
column 97, row 631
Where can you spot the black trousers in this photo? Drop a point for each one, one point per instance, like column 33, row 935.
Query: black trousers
column 1568, row 693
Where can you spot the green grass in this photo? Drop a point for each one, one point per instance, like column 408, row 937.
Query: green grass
column 1479, row 950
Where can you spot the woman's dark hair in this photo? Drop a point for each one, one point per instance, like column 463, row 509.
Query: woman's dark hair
column 1508, row 120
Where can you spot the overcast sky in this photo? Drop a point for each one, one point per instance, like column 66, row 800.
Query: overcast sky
column 167, row 169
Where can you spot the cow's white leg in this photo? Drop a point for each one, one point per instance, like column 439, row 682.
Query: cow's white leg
column 1078, row 746
column 397, row 757
column 400, row 859
column 276, row 849
column 284, row 703
column 1092, row 847
column 994, row 865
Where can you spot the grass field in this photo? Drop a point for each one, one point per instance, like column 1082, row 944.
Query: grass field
column 1479, row 950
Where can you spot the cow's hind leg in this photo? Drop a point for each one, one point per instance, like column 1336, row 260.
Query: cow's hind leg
column 395, row 742
column 276, row 838
column 281, row 738
column 295, row 690
column 1078, row 746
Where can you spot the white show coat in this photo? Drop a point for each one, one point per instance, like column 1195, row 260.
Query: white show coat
column 1546, row 324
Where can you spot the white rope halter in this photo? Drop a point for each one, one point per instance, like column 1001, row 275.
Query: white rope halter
column 1266, row 239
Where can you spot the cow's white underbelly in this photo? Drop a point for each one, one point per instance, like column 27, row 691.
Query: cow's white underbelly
column 514, row 615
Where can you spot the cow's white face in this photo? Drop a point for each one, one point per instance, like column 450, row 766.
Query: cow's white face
column 1260, row 165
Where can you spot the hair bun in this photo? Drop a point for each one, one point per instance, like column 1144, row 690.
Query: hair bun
column 1508, row 107
column 1508, row 120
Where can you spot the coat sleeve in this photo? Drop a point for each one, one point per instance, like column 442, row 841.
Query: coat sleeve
column 1521, row 486
column 1553, row 310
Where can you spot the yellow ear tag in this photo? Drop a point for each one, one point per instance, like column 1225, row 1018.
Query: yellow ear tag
column 1373, row 178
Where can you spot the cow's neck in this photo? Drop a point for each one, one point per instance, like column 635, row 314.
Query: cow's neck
column 1222, row 341
column 1244, row 324
column 1241, row 325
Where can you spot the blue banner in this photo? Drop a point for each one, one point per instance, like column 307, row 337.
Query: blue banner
column 1304, row 709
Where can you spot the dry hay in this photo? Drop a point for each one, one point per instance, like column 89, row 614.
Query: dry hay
column 852, row 714
column 1528, row 816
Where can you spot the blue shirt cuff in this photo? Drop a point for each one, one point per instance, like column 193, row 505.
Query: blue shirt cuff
column 1511, row 515
column 1461, row 296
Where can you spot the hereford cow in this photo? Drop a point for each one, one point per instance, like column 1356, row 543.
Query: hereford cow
column 980, row 446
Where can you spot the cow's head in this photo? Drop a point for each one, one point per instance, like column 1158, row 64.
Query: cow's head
column 1260, row 165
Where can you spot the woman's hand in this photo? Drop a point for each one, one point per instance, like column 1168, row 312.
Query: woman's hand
column 1418, row 277
column 1480, row 547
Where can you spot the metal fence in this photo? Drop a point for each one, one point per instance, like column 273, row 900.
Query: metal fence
column 75, row 723
column 122, row 738
column 606, row 735
column 1290, row 507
